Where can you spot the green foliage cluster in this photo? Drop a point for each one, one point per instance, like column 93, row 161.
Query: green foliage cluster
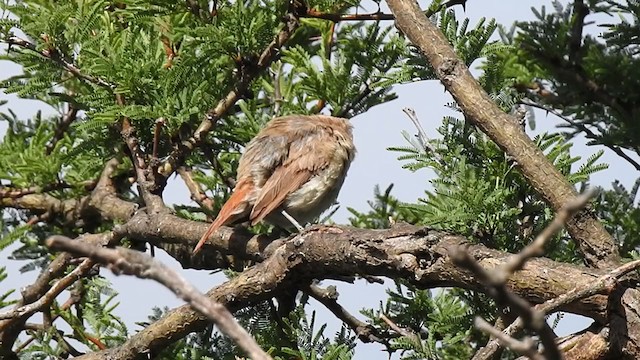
column 91, row 319
column 146, row 60
column 588, row 74
column 439, row 325
column 619, row 209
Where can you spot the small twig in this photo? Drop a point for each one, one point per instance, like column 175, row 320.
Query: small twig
column 378, row 15
column 525, row 347
column 588, row 133
column 213, row 158
column 402, row 331
column 13, row 193
column 329, row 298
column 196, row 192
column 422, row 135
column 601, row 284
column 63, row 126
column 54, row 55
column 130, row 262
column 536, row 247
column 366, row 91
column 580, row 12
column 576, row 74
column 50, row 295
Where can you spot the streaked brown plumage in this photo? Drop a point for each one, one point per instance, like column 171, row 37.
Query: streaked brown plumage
column 297, row 164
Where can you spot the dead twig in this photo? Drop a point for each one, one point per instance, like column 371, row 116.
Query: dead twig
column 130, row 262
column 525, row 347
column 329, row 298
column 496, row 280
column 603, row 283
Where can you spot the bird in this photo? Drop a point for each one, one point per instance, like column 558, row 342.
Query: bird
column 289, row 173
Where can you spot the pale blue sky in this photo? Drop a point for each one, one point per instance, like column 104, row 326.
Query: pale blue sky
column 374, row 131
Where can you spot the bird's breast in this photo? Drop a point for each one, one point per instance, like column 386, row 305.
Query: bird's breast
column 317, row 194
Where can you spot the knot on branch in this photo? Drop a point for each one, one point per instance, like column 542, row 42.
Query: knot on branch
column 447, row 70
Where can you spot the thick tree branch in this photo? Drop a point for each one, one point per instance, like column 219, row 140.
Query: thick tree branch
column 130, row 262
column 102, row 200
column 418, row 255
column 596, row 244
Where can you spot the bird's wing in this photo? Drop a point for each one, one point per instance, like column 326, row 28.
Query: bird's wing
column 307, row 155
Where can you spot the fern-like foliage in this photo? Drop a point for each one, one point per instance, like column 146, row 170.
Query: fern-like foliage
column 618, row 207
column 438, row 323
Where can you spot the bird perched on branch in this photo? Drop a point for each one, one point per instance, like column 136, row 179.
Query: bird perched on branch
column 289, row 173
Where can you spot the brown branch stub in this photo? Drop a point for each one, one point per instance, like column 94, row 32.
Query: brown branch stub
column 130, row 262
column 597, row 246
column 148, row 184
column 402, row 331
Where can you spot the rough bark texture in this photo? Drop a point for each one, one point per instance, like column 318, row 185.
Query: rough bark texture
column 416, row 254
column 597, row 246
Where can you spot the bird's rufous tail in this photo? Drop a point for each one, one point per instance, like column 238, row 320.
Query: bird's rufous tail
column 230, row 211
